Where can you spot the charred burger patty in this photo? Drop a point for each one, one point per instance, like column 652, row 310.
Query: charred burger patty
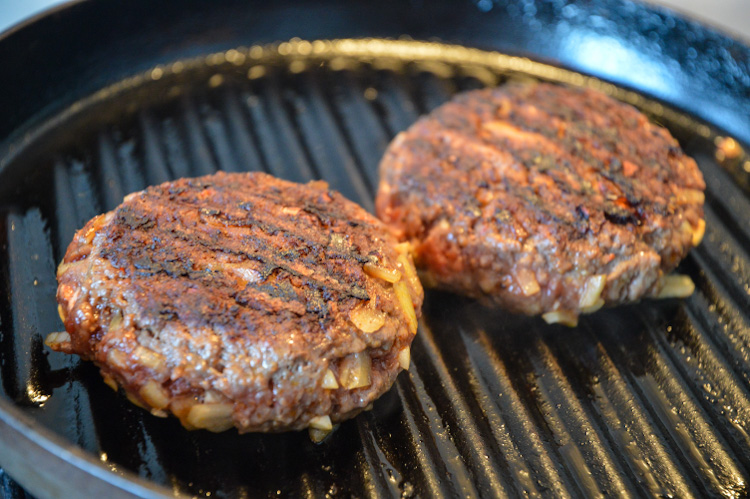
column 241, row 300
column 543, row 199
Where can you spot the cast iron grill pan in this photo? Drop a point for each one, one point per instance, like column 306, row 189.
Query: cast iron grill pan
column 644, row 400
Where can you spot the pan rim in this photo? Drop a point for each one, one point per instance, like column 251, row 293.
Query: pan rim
column 64, row 453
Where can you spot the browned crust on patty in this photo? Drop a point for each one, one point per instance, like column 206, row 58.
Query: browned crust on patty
column 238, row 292
column 520, row 195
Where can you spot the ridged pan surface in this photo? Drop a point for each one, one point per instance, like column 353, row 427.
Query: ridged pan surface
column 645, row 400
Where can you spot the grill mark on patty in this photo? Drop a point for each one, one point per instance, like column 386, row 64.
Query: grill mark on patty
column 445, row 142
column 203, row 243
column 528, row 143
column 551, row 106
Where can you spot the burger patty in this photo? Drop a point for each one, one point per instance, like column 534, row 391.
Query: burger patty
column 543, row 199
column 241, row 300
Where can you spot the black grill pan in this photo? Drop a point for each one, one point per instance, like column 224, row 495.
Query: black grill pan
column 645, row 400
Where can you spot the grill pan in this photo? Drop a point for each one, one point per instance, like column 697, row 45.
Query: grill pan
column 645, row 400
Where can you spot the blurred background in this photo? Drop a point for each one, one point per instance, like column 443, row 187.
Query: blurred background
column 732, row 16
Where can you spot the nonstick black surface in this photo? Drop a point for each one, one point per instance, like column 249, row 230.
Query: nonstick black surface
column 648, row 399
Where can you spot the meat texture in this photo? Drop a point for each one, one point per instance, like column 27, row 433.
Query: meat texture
column 543, row 199
column 241, row 300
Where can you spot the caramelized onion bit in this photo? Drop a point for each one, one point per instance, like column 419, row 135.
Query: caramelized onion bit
column 211, row 417
column 118, row 359
column 148, row 357
column 528, row 282
column 687, row 196
column 133, row 400
column 388, row 275
column 62, row 268
column 154, row 395
column 699, row 232
column 565, row 317
column 110, row 381
column 89, row 235
column 592, row 292
column 409, row 271
column 404, row 358
column 329, row 380
column 599, row 303
column 115, row 321
column 366, row 319
column 676, row 286
column 321, row 423
column 180, row 407
column 317, row 435
column 403, row 248
column 65, row 267
column 244, row 273
column 356, row 370
column 404, row 300
column 54, row 339
column 61, row 312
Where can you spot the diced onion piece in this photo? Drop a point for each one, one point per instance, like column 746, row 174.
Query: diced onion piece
column 154, row 395
column 691, row 196
column 338, row 241
column 686, row 228
column 54, row 339
column 404, row 299
column 565, row 317
column 409, row 271
column 592, row 291
column 110, row 381
column 388, row 275
column 503, row 130
column 329, row 380
column 61, row 312
column 181, row 408
column 487, row 282
column 599, row 303
column 245, row 273
column 116, row 321
column 404, row 358
column 403, row 248
column 212, row 397
column 211, row 417
column 676, row 286
column 117, row 358
column 699, row 232
column 321, row 423
column 528, row 282
column 65, row 267
column 148, row 357
column 62, row 268
column 356, row 370
column 135, row 401
column 89, row 236
column 130, row 196
column 366, row 319
column 317, row 435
